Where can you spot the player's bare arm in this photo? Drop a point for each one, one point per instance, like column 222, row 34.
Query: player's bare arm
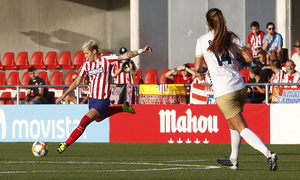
column 247, row 55
column 198, row 67
column 71, row 88
column 132, row 54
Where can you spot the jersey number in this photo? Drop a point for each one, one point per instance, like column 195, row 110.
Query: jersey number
column 222, row 58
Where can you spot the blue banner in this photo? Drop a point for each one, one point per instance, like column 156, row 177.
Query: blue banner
column 49, row 123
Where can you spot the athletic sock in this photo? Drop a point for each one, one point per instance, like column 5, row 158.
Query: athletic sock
column 253, row 140
column 236, row 141
column 85, row 121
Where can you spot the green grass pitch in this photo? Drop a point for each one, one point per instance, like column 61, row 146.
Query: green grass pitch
column 143, row 161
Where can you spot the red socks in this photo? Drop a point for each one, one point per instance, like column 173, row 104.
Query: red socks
column 85, row 121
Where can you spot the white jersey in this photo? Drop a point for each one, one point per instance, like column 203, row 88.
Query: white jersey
column 223, row 71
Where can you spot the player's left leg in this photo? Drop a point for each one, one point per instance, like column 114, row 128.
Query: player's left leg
column 126, row 107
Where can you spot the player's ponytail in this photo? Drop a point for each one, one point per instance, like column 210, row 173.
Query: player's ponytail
column 222, row 42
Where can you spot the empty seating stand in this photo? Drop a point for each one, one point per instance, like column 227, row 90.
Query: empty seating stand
column 51, row 60
column 78, row 59
column 8, row 61
column 151, row 77
column 22, row 60
column 65, row 60
column 37, row 60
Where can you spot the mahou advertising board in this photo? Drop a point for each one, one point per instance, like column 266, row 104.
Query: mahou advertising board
column 184, row 124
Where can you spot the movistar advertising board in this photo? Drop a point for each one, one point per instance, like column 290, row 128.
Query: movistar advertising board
column 49, row 123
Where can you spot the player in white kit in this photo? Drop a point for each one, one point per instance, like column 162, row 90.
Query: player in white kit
column 219, row 48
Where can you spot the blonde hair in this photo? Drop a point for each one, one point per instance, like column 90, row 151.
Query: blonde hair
column 90, row 45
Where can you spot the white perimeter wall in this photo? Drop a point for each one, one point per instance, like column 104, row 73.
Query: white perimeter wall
column 284, row 124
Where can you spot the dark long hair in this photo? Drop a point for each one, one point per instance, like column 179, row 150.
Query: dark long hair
column 222, row 42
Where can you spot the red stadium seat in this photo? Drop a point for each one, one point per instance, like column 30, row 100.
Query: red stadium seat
column 44, row 75
column 8, row 61
column 22, row 60
column 25, row 79
column 22, row 97
column 78, row 59
column 246, row 74
column 51, row 60
column 13, row 78
column 68, row 78
column 151, row 77
column 138, row 79
column 163, row 79
column 5, row 98
column 1, row 67
column 2, row 79
column 57, row 79
column 294, row 51
column 65, row 60
column 37, row 60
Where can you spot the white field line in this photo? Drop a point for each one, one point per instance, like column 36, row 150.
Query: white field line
column 177, row 166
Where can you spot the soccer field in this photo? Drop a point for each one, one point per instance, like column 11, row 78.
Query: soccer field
column 143, row 161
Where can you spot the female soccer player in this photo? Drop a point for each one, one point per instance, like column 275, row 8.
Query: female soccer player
column 97, row 67
column 219, row 48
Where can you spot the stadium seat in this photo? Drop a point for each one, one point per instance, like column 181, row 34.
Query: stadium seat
column 68, row 78
column 22, row 60
column 2, row 79
column 37, row 60
column 246, row 74
column 78, row 59
column 1, row 67
column 293, row 52
column 65, row 60
column 51, row 60
column 163, row 79
column 57, row 79
column 13, row 78
column 8, row 61
column 25, row 79
column 22, row 97
column 151, row 77
column 5, row 98
column 192, row 65
column 44, row 75
column 138, row 79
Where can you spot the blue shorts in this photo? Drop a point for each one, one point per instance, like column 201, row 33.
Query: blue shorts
column 101, row 105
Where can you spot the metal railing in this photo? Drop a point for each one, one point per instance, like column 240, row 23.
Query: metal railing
column 136, row 86
column 18, row 87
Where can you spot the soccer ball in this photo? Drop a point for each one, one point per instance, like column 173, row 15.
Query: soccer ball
column 39, row 149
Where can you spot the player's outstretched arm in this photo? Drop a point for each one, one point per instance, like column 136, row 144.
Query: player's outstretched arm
column 132, row 54
column 71, row 88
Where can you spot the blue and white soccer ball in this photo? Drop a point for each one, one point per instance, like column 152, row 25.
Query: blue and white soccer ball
column 39, row 149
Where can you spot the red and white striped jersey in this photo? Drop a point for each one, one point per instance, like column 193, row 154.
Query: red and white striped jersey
column 99, row 75
column 123, row 77
column 292, row 78
column 277, row 78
